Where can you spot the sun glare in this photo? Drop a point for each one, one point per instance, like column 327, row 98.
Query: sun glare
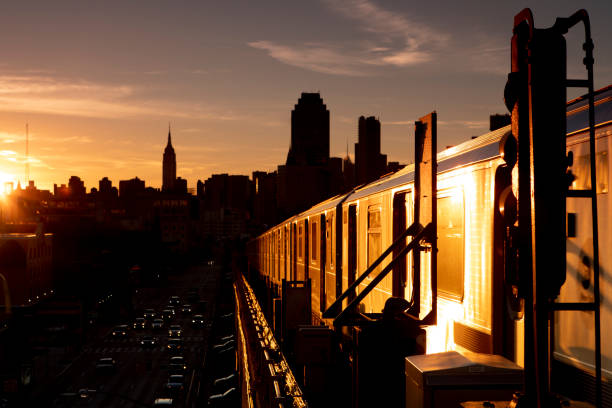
column 8, row 182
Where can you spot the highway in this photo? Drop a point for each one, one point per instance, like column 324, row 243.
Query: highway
column 141, row 372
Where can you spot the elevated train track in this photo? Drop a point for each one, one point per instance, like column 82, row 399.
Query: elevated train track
column 426, row 260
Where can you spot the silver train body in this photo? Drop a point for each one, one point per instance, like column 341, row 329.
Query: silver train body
column 353, row 229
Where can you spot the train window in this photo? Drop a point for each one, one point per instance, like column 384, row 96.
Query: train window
column 299, row 243
column 313, row 241
column 374, row 235
column 451, row 245
column 582, row 171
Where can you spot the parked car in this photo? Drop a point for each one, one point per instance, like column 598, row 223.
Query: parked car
column 174, row 300
column 186, row 309
column 149, row 314
column 157, row 324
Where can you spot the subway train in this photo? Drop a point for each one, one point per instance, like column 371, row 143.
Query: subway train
column 353, row 229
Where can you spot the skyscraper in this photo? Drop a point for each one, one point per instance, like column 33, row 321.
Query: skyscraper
column 309, row 132
column 369, row 163
column 305, row 178
column 169, row 166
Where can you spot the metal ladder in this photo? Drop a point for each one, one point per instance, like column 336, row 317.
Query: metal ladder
column 591, row 193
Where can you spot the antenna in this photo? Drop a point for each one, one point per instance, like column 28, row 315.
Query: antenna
column 27, row 155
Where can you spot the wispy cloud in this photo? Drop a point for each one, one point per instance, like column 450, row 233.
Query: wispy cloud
column 314, row 57
column 74, row 97
column 470, row 124
column 487, row 55
column 399, row 122
column 398, row 41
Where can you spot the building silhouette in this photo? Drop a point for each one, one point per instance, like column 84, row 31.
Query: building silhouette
column 76, row 187
column 348, row 173
column 169, row 166
column 309, row 132
column 131, row 187
column 106, row 189
column 499, row 121
column 308, row 176
column 369, row 163
column 264, row 198
column 227, row 205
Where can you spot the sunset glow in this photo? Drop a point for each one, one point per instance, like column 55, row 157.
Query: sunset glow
column 96, row 108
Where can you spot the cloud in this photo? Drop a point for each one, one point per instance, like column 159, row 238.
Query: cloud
column 74, row 97
column 400, row 122
column 470, row 124
column 487, row 56
column 314, row 57
column 398, row 41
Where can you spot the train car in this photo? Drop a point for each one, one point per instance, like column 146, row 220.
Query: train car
column 335, row 241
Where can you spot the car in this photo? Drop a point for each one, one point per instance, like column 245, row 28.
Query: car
column 163, row 402
column 175, row 382
column 167, row 314
column 148, row 341
column 157, row 324
column 139, row 323
column 186, row 309
column 174, row 331
column 197, row 321
column 174, row 300
column 175, row 345
column 175, row 368
column 177, row 359
column 120, row 331
column 177, row 365
column 149, row 314
column 106, row 364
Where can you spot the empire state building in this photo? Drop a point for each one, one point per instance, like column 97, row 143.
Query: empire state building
column 169, row 166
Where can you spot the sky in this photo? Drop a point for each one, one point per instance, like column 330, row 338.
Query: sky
column 99, row 82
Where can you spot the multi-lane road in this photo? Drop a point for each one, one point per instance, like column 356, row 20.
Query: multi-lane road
column 141, row 372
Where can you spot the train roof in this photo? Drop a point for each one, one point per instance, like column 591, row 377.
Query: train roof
column 578, row 111
column 484, row 147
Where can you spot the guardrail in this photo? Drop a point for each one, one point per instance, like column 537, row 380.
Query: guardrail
column 267, row 380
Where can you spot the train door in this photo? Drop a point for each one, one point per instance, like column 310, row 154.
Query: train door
column 302, row 247
column 330, row 270
column 316, row 265
column 402, row 217
column 306, row 249
column 322, row 262
column 293, row 251
column 352, row 246
column 284, row 270
column 278, row 256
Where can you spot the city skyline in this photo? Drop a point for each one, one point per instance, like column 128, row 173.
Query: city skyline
column 227, row 76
